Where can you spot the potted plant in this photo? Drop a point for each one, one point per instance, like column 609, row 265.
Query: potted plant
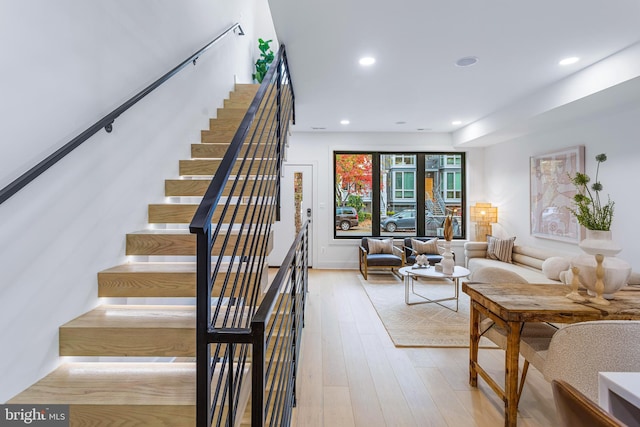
column 263, row 62
column 589, row 210
column 596, row 217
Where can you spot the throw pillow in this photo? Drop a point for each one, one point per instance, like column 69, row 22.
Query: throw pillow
column 380, row 246
column 429, row 247
column 553, row 266
column 500, row 249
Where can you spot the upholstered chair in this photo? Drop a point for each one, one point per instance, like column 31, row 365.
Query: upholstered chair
column 379, row 253
column 575, row 409
column 579, row 351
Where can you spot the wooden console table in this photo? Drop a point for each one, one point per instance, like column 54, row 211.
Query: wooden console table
column 511, row 305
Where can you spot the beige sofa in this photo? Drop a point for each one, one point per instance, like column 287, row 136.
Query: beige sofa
column 527, row 262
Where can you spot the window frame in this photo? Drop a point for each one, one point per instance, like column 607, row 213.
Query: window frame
column 419, row 171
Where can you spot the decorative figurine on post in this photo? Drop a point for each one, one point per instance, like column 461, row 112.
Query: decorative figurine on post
column 575, row 283
column 447, row 261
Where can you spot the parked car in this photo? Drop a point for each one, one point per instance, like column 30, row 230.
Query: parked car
column 406, row 220
column 403, row 220
column 346, row 217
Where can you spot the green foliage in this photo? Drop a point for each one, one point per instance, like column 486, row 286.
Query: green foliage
column 589, row 210
column 355, row 202
column 263, row 62
column 363, row 216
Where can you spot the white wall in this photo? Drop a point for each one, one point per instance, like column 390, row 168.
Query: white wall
column 65, row 65
column 614, row 133
column 317, row 149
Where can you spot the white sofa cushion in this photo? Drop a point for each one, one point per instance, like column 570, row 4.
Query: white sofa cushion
column 529, row 274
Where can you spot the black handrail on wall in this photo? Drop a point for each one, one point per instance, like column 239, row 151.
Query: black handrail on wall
column 106, row 122
column 228, row 341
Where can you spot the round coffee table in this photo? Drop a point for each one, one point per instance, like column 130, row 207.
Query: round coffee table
column 410, row 273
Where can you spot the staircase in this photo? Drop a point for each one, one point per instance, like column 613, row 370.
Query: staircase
column 123, row 383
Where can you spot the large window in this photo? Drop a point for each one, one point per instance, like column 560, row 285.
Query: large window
column 398, row 194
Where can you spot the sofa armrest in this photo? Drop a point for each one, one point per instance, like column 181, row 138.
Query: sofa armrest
column 474, row 250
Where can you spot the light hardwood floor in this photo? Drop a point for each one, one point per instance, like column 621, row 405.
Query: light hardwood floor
column 351, row 374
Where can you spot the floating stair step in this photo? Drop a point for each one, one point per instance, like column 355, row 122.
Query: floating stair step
column 166, row 280
column 230, row 113
column 225, row 136
column 181, row 242
column 218, row 150
column 132, row 330
column 202, row 167
column 243, row 97
column 197, row 187
column 230, row 118
column 262, row 115
column 224, row 124
column 245, row 90
column 174, row 213
column 125, row 394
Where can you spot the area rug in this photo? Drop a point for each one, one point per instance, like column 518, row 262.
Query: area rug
column 420, row 325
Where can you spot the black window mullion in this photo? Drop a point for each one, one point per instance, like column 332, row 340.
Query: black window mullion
column 375, row 194
column 420, row 199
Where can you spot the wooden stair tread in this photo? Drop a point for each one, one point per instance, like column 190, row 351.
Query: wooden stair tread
column 161, row 317
column 125, row 383
column 217, row 150
column 108, row 394
column 208, row 167
column 163, row 279
column 158, row 267
column 134, row 330
column 182, row 213
column 198, row 186
column 181, row 242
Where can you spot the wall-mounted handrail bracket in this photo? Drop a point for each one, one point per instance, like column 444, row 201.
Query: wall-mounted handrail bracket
column 109, row 127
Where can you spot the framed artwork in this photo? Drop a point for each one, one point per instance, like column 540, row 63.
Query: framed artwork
column 551, row 193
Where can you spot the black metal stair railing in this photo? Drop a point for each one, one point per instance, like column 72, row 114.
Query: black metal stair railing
column 235, row 250
column 277, row 332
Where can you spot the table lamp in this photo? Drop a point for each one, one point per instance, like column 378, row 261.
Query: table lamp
column 483, row 214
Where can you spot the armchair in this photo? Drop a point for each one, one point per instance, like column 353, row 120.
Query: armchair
column 379, row 254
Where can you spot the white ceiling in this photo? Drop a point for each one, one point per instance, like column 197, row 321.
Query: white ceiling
column 416, row 43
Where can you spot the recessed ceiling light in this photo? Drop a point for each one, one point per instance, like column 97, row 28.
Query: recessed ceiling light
column 467, row 61
column 344, row 122
column 423, row 129
column 401, row 123
column 367, row 60
column 456, row 122
column 569, row 61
